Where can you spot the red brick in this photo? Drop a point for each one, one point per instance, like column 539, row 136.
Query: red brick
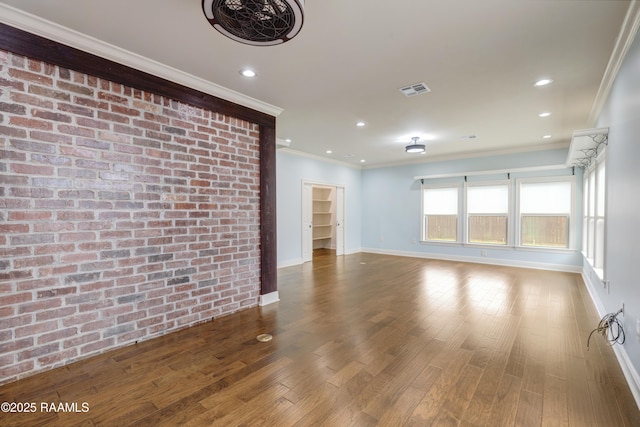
column 55, row 358
column 30, row 77
column 132, row 336
column 80, row 319
column 70, row 87
column 8, row 359
column 112, row 98
column 57, row 335
column 11, row 373
column 49, row 93
column 38, row 351
column 48, row 115
column 59, row 313
column 33, row 262
column 39, row 305
column 35, row 329
column 14, row 228
column 15, row 299
column 141, row 260
column 29, row 216
column 76, row 237
column 96, row 346
column 25, row 122
column 77, row 341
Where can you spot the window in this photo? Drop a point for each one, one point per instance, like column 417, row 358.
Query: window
column 593, row 228
column 523, row 213
column 545, row 212
column 440, row 214
column 487, row 214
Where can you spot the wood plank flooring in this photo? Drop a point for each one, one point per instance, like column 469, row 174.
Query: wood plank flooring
column 362, row 340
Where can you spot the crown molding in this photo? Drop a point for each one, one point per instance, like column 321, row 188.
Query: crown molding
column 319, row 158
column 41, row 27
column 627, row 35
column 472, row 155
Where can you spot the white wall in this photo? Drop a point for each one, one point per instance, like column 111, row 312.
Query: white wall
column 292, row 170
column 621, row 114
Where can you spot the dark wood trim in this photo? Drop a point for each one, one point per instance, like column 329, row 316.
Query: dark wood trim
column 49, row 51
column 268, row 246
column 52, row 52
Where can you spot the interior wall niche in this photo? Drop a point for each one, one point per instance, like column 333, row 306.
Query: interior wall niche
column 324, row 217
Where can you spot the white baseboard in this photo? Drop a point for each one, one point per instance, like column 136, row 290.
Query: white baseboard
column 480, row 260
column 290, row 263
column 629, row 371
column 353, row 251
column 269, row 298
column 298, row 261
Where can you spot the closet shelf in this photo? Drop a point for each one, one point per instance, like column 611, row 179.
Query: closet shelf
column 323, row 210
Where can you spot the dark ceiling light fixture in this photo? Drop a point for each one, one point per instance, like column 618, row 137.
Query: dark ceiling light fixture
column 256, row 22
column 415, row 147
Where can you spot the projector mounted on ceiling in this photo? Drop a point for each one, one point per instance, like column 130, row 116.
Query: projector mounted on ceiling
column 256, row 22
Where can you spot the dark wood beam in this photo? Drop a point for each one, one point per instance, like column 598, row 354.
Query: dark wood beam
column 268, row 247
column 52, row 52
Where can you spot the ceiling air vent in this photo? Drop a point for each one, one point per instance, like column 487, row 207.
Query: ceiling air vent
column 415, row 89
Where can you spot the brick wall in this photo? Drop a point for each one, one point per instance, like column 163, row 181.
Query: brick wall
column 123, row 215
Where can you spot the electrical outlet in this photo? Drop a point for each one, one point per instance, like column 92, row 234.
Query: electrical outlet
column 483, row 252
column 638, row 328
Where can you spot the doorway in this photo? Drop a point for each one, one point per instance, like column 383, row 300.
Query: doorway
column 323, row 219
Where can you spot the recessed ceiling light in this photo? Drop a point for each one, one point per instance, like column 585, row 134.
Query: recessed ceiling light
column 248, row 72
column 362, row 161
column 360, row 124
column 288, row 140
column 328, row 151
column 546, row 136
column 545, row 114
column 543, row 82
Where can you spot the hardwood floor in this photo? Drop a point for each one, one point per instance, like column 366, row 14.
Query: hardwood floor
column 362, row 340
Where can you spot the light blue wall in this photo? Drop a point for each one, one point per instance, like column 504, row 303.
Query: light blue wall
column 621, row 114
column 383, row 207
column 391, row 200
column 292, row 170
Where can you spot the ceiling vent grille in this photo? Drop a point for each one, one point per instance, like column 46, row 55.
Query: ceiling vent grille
column 415, row 89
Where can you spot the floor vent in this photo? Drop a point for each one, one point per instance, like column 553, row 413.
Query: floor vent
column 415, row 89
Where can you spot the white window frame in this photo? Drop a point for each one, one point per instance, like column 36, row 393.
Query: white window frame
column 489, row 183
column 459, row 227
column 572, row 215
column 596, row 256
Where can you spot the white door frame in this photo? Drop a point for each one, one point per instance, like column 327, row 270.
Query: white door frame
column 307, row 218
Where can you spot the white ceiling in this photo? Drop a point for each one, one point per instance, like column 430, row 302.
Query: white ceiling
column 479, row 58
